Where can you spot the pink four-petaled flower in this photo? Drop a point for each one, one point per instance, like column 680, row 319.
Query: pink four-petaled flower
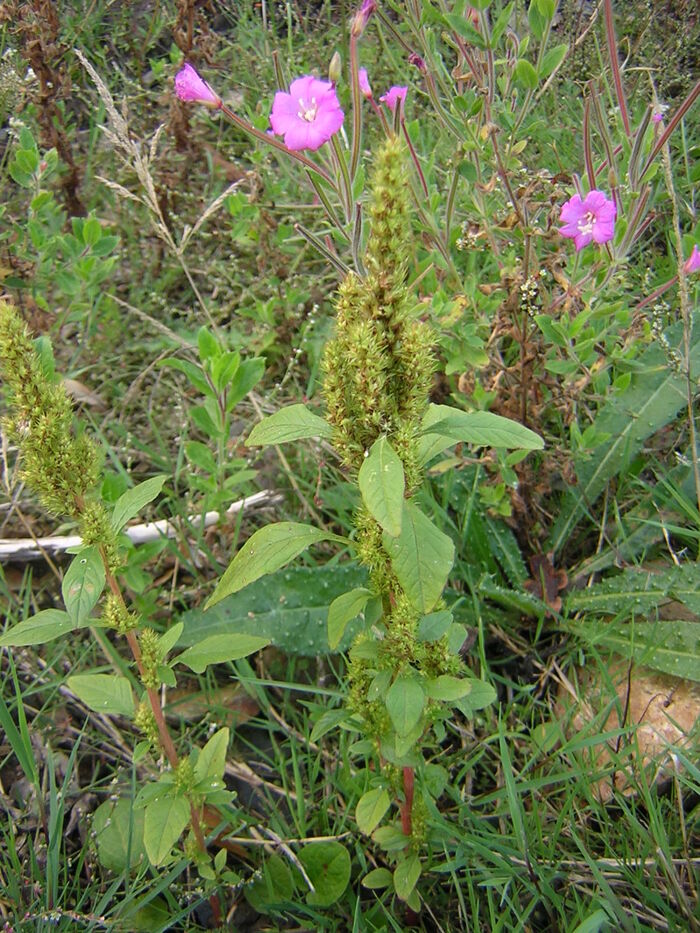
column 587, row 219
column 308, row 115
column 189, row 86
column 395, row 95
column 692, row 263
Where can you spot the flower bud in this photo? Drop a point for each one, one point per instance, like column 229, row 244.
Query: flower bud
column 335, row 68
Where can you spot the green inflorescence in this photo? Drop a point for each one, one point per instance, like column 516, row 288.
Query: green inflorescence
column 96, row 528
column 150, row 658
column 60, row 465
column 378, row 368
column 145, row 722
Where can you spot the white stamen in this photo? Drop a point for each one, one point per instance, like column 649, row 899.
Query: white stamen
column 587, row 222
column 307, row 113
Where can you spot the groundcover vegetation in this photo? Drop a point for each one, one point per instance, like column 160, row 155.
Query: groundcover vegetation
column 350, row 503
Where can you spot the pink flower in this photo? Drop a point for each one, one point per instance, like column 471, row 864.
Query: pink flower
column 394, row 95
column 189, row 86
column 692, row 263
column 592, row 218
column 364, row 82
column 308, row 116
column 657, row 117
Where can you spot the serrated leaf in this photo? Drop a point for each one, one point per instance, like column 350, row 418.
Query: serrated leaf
column 371, row 808
column 220, row 648
column 343, row 610
column 104, row 693
column 382, row 484
column 39, row 629
column 669, row 646
column 83, row 584
column 405, row 701
column 211, row 761
column 130, row 503
column 164, row 822
column 328, row 866
column 289, row 424
column 265, row 551
column 421, row 557
column 406, row 876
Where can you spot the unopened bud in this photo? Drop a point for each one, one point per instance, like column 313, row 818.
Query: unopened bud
column 335, row 69
column 362, row 17
column 415, row 59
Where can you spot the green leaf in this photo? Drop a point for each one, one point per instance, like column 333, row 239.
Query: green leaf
column 499, row 27
column 480, row 696
column 448, row 688
column 92, row 231
column 220, row 648
column 670, row 646
column 406, row 876
column 133, row 500
column 290, row 607
column 553, row 59
column 421, row 557
column 343, row 610
column 526, row 75
column 433, row 626
column 38, row 629
column 83, row 584
column 444, row 426
column 377, row 879
column 118, row 833
column 207, row 344
column 273, row 886
column 169, row 639
column 193, row 373
column 382, row 483
column 289, row 424
column 248, row 375
column 165, row 819
column 466, row 29
column 201, row 456
column 211, row 761
column 405, row 700
column 328, row 866
column 265, row 551
column 371, row 808
column 104, row 693
column 655, row 396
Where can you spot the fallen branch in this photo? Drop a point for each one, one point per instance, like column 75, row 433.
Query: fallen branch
column 26, row 549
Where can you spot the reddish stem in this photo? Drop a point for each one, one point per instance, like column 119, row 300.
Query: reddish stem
column 407, row 805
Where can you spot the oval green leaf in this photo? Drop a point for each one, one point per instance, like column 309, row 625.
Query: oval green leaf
column 382, row 484
column 343, row 610
column 371, row 808
column 38, row 629
column 266, row 551
column 103, row 693
column 405, row 700
column 83, row 584
column 421, row 557
column 130, row 503
column 220, row 648
column 164, row 822
column 328, row 866
column 293, row 423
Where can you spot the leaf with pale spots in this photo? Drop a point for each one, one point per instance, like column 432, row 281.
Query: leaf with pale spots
column 265, row 551
column 382, row 483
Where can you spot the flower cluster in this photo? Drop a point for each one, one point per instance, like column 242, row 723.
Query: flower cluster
column 307, row 116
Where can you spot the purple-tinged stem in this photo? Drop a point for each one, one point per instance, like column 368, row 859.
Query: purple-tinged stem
column 615, row 65
column 276, row 144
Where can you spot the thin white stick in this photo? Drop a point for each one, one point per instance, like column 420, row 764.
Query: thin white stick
column 23, row 549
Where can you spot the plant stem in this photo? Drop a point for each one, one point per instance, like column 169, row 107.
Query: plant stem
column 407, row 805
